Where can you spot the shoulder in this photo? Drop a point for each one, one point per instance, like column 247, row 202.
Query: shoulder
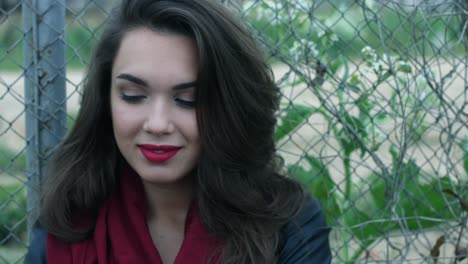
column 305, row 238
column 37, row 246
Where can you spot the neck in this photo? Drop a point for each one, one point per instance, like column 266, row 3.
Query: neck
column 169, row 202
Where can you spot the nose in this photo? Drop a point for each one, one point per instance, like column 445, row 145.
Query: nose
column 158, row 119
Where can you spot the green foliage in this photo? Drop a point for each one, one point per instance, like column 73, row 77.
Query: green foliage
column 352, row 128
column 320, row 30
column 12, row 254
column 287, row 31
column 11, row 160
column 419, row 205
column 369, row 210
column 384, row 201
column 11, row 47
column 407, row 28
column 318, row 182
column 80, row 43
column 291, row 118
column 13, row 205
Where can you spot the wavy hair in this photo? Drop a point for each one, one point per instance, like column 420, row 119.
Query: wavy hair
column 242, row 197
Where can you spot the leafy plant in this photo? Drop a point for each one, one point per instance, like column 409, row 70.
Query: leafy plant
column 391, row 196
column 13, row 205
column 460, row 252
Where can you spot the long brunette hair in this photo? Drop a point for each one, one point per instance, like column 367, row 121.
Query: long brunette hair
column 242, row 197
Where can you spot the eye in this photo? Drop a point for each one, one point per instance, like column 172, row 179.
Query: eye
column 185, row 103
column 185, row 99
column 132, row 99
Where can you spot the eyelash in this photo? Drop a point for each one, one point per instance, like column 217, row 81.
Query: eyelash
column 184, row 103
column 134, row 99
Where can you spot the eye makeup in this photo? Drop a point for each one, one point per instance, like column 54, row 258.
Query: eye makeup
column 133, row 99
column 185, row 103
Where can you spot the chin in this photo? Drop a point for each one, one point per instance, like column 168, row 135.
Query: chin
column 162, row 178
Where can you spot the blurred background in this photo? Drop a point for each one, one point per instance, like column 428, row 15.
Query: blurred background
column 373, row 119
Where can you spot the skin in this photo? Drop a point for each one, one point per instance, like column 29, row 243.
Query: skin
column 152, row 102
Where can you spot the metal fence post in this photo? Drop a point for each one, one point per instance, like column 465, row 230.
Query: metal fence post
column 45, row 93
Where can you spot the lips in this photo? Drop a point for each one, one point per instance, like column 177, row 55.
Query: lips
column 158, row 153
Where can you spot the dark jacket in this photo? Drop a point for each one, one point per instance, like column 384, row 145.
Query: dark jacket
column 305, row 240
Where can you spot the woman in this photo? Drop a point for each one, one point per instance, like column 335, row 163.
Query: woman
column 172, row 157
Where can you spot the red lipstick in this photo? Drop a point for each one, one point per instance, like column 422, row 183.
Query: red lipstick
column 158, row 153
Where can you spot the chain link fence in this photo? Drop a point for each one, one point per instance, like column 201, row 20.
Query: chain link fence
column 373, row 119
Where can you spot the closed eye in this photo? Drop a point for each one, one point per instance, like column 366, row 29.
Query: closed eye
column 185, row 103
column 132, row 99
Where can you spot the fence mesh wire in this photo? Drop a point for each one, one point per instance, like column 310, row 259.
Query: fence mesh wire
column 373, row 119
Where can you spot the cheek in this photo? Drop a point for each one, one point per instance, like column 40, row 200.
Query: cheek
column 125, row 123
column 191, row 127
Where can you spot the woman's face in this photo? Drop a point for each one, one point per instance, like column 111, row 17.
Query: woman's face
column 153, row 104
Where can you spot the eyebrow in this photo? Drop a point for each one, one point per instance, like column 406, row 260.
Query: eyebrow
column 139, row 81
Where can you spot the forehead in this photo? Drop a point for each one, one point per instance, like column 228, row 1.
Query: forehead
column 156, row 55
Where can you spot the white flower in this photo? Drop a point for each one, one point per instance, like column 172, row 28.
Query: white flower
column 369, row 54
column 304, row 48
column 378, row 65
